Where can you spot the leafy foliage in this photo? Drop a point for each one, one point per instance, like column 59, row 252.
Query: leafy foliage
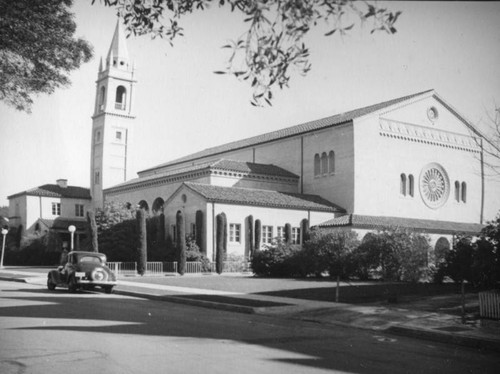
column 393, row 254
column 181, row 242
column 279, row 260
column 37, row 49
column 331, row 252
column 220, row 242
column 117, row 232
column 141, row 241
column 273, row 44
column 476, row 261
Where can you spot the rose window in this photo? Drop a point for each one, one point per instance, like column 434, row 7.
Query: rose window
column 434, row 185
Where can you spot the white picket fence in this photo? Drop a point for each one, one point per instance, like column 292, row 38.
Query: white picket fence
column 489, row 304
column 159, row 268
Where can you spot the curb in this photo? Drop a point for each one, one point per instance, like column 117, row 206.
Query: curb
column 193, row 302
column 445, row 337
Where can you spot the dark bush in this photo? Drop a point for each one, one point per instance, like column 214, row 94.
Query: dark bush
column 277, row 261
column 181, row 242
column 141, row 241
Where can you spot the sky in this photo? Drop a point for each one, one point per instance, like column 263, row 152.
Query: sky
column 183, row 107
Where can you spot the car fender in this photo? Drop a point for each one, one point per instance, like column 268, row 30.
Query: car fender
column 56, row 276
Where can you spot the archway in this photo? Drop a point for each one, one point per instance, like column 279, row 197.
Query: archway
column 441, row 249
column 144, row 205
column 158, row 206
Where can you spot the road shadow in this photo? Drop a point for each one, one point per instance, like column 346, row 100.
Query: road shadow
column 336, row 350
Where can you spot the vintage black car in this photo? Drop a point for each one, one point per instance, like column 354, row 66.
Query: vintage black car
column 83, row 270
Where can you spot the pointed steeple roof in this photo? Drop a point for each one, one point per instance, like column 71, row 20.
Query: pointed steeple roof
column 118, row 48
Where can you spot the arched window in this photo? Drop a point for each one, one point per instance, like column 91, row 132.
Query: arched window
column 464, row 192
column 317, row 170
column 121, row 96
column 411, row 185
column 402, row 186
column 331, row 162
column 441, row 248
column 324, row 163
column 102, row 97
column 144, row 205
column 158, row 206
column 457, row 191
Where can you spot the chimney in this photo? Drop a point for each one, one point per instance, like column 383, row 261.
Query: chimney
column 63, row 183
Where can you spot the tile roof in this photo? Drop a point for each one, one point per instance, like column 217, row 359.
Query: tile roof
column 427, row 225
column 291, row 131
column 252, row 168
column 221, row 164
column 54, row 190
column 267, row 198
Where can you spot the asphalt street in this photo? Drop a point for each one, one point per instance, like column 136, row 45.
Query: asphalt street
column 59, row 332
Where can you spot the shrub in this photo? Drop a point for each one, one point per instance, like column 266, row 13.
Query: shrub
column 181, row 242
column 142, row 242
column 393, row 254
column 219, row 254
column 331, row 252
column 199, row 229
column 276, row 261
column 258, row 234
column 193, row 254
column 250, row 236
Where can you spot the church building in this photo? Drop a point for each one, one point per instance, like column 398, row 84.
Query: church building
column 411, row 162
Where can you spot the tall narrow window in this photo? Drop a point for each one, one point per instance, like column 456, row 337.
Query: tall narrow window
column 457, row 191
column 317, row 165
column 331, row 162
column 324, row 163
column 79, row 210
column 56, row 209
column 411, row 187
column 267, row 234
column 281, row 232
column 121, row 96
column 102, row 97
column 295, row 235
column 97, row 177
column 402, row 187
column 464, row 192
column 234, row 232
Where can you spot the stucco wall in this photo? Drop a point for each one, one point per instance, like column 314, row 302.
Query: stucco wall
column 380, row 161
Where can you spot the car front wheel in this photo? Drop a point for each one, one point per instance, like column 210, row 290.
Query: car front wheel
column 50, row 284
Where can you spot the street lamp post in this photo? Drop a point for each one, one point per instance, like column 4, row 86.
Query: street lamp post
column 4, row 234
column 72, row 230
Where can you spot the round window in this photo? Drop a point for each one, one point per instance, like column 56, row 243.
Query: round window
column 434, row 185
column 432, row 113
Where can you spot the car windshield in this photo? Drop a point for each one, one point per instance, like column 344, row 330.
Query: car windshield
column 97, row 260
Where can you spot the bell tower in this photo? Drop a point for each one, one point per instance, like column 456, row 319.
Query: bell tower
column 112, row 119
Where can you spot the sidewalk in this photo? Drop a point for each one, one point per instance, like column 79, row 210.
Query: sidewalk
column 439, row 327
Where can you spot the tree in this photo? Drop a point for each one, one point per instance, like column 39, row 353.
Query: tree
column 219, row 242
column 117, row 231
column 258, row 235
column 274, row 41
column 332, row 251
column 141, row 241
column 181, row 242
column 37, row 49
column 489, row 142
column 94, row 245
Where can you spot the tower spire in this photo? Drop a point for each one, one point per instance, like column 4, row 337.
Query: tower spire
column 118, row 52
